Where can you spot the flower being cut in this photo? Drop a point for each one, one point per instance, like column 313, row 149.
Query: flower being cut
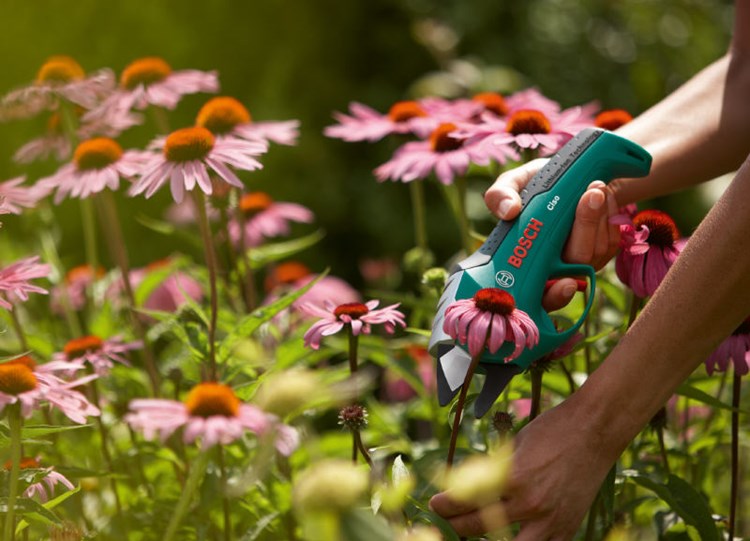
column 97, row 352
column 211, row 412
column 356, row 316
column 649, row 244
column 265, row 218
column 14, row 280
column 488, row 320
column 188, row 154
column 31, row 385
column 97, row 164
column 735, row 350
column 225, row 116
column 44, row 488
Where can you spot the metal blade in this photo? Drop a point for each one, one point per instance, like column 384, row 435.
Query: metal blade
column 452, row 365
column 498, row 376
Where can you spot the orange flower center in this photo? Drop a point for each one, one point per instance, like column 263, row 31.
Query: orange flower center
column 492, row 101
column 17, row 377
column 60, row 69
column 222, row 114
column 27, row 463
column 144, row 71
column 209, row 399
column 158, row 264
column 662, row 231
column 440, row 141
column 401, row 111
column 83, row 345
column 528, row 121
column 254, row 202
column 612, row 119
column 285, row 274
column 354, row 310
column 188, row 144
column 97, row 153
column 82, row 272
column 495, row 300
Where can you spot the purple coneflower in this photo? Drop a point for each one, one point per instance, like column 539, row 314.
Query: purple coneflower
column 14, row 280
column 77, row 280
column 30, row 384
column 15, row 197
column 226, row 116
column 489, row 319
column 366, row 124
column 357, row 316
column 44, row 488
column 52, row 143
column 211, row 412
column 735, row 349
column 649, row 245
column 265, row 218
column 187, row 156
column 99, row 353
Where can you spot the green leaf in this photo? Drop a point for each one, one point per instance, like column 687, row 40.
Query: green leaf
column 38, row 431
column 31, row 510
column 361, row 525
column 425, row 516
column 268, row 253
column 51, row 504
column 696, row 394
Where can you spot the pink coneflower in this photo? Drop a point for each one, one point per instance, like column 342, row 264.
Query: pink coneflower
column 14, row 280
column 211, row 412
column 357, row 316
column 44, row 488
column 99, row 353
column 489, row 319
column 226, row 116
column 735, row 349
column 649, row 245
column 77, row 280
column 398, row 389
column 292, row 275
column 187, row 156
column 366, row 124
column 612, row 119
column 97, row 164
column 169, row 294
column 30, row 384
column 531, row 99
column 151, row 81
column 446, row 153
column 15, row 197
column 265, row 218
column 53, row 143
column 59, row 78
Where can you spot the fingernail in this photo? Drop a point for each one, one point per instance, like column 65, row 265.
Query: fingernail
column 504, row 207
column 596, row 199
column 569, row 290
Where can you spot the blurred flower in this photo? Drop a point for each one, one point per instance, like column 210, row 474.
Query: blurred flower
column 60, row 77
column 45, row 487
column 489, row 319
column 211, row 412
column 445, row 152
column 384, row 270
column 52, row 143
column 265, row 218
column 151, row 81
column 14, row 280
column 16, row 197
column 97, row 164
column 521, row 408
column 357, row 316
column 25, row 382
column 292, row 275
column 649, row 245
column 329, row 485
column 77, row 280
column 287, row 392
column 168, row 294
column 612, row 119
column 420, row 533
column 531, row 98
column 186, row 157
column 97, row 352
column 226, row 116
column 480, row 479
column 397, row 389
column 366, row 124
column 735, row 349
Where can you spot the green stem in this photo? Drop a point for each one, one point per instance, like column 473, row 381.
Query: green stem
column 353, row 367
column 197, row 471
column 460, row 409
column 89, row 233
column 15, row 422
column 416, row 189
column 224, row 498
column 19, row 329
column 663, row 450
column 735, row 482
column 104, row 435
column 159, row 116
column 454, row 196
column 536, row 392
column 200, row 206
column 246, row 275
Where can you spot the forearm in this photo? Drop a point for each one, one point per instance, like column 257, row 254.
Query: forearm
column 703, row 299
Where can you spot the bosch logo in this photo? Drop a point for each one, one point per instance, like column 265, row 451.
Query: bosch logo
column 505, row 279
column 533, row 228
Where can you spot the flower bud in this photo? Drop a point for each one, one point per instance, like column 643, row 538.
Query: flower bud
column 353, row 417
column 502, row 421
column 418, row 258
column 330, row 485
column 435, row 278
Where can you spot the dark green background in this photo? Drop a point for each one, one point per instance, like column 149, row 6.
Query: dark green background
column 304, row 59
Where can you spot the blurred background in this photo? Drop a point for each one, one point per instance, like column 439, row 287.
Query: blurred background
column 306, row 59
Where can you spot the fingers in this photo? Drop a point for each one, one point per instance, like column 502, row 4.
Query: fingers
column 502, row 198
column 443, row 505
column 488, row 518
column 559, row 294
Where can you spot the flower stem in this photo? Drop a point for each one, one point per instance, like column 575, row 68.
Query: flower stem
column 663, row 449
column 353, row 367
column 224, row 498
column 89, row 233
column 104, row 435
column 19, row 329
column 15, row 422
column 197, row 470
column 460, row 409
column 416, row 189
column 454, row 196
column 208, row 244
column 536, row 392
column 111, row 225
column 245, row 278
column 735, row 482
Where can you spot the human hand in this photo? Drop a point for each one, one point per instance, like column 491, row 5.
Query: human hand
column 557, row 467
column 592, row 241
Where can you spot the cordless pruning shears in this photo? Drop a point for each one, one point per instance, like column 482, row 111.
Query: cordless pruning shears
column 522, row 254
